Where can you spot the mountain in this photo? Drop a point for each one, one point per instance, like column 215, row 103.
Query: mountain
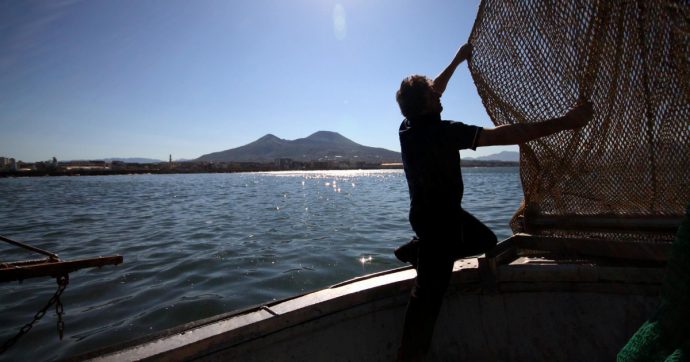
column 320, row 146
column 511, row 156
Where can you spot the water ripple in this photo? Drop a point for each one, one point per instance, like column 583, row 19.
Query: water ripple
column 199, row 245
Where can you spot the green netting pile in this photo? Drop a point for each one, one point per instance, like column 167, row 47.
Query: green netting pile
column 666, row 337
column 533, row 60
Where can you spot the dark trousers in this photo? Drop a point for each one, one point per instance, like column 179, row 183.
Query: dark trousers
column 438, row 250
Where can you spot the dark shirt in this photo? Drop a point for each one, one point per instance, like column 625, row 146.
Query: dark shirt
column 430, row 154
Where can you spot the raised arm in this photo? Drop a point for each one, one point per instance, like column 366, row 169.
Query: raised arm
column 441, row 80
column 514, row 134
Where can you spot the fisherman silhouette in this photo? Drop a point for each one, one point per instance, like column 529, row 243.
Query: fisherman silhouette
column 444, row 231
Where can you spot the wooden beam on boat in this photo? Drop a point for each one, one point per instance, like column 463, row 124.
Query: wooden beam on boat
column 503, row 253
column 617, row 249
column 52, row 256
column 9, row 272
column 641, row 223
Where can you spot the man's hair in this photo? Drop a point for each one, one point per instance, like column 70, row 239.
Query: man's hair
column 411, row 96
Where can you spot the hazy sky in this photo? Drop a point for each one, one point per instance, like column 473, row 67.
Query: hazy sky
column 131, row 78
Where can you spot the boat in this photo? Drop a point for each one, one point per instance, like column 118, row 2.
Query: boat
column 516, row 303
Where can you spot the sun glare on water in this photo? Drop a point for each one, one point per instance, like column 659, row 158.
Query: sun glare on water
column 331, row 173
column 366, row 259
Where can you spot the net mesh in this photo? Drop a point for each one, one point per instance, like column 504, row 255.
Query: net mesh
column 534, row 59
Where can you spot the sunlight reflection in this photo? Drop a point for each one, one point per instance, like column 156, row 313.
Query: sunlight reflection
column 366, row 259
column 338, row 174
column 339, row 22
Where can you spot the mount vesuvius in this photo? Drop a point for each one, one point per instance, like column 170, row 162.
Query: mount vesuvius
column 320, row 146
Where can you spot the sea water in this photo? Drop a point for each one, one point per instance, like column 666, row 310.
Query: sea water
column 197, row 245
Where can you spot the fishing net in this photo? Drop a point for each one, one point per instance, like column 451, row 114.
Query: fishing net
column 534, row 59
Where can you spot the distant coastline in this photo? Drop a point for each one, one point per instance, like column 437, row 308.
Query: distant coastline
column 102, row 168
column 322, row 150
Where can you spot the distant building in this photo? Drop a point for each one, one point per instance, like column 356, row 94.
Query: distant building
column 284, row 163
column 49, row 165
column 85, row 165
column 118, row 165
column 321, row 165
column 8, row 164
column 23, row 166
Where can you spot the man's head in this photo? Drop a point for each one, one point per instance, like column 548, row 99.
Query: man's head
column 417, row 97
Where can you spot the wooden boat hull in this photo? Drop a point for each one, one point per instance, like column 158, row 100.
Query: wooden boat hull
column 528, row 309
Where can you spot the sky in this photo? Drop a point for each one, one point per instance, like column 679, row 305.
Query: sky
column 130, row 78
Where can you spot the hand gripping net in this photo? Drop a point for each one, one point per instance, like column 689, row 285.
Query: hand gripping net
column 533, row 60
